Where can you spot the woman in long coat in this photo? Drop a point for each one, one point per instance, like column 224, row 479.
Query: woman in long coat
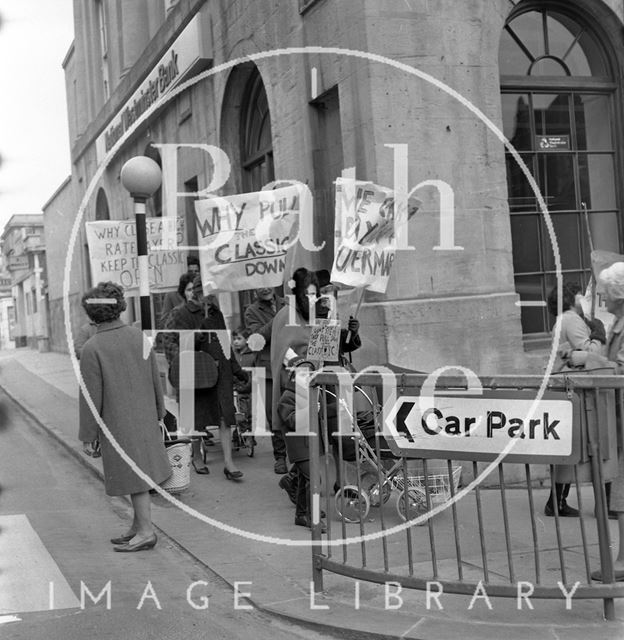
column 612, row 281
column 214, row 406
column 126, row 392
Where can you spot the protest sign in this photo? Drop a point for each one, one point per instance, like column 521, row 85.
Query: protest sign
column 364, row 247
column 113, row 253
column 243, row 239
column 600, row 260
column 324, row 342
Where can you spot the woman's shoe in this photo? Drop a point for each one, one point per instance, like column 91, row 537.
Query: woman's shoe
column 123, row 539
column 565, row 511
column 144, row 545
column 202, row 471
column 232, row 475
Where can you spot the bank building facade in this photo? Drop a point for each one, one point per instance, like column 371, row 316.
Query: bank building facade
column 304, row 89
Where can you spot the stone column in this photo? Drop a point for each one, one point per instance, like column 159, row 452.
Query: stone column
column 135, row 31
column 444, row 307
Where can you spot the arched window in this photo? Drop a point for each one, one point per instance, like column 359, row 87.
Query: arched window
column 557, row 85
column 101, row 206
column 256, row 140
column 256, row 147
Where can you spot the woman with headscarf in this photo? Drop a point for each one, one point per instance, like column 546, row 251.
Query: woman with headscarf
column 213, row 406
column 125, row 390
column 612, row 280
column 576, row 331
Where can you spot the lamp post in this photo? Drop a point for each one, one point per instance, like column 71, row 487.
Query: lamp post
column 141, row 176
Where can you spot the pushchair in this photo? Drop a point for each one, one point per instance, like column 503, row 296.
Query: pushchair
column 378, row 472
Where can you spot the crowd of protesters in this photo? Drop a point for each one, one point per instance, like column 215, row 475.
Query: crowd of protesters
column 109, row 352
column 266, row 319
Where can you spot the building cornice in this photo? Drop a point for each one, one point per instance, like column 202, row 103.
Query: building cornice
column 176, row 21
column 56, row 192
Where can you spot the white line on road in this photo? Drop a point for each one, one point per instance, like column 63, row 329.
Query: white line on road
column 27, row 570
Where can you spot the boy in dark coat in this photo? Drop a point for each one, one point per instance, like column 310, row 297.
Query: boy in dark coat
column 246, row 358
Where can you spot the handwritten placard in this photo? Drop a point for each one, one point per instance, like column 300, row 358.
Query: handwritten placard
column 324, row 342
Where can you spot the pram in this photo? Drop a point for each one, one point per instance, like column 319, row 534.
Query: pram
column 379, row 472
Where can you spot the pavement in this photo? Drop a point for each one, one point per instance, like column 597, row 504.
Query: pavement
column 244, row 532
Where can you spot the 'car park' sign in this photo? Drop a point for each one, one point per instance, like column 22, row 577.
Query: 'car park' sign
column 481, row 427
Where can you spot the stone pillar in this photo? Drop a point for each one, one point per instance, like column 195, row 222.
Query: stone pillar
column 444, row 307
column 135, row 31
column 41, row 328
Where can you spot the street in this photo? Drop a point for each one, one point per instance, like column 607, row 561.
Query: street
column 56, row 521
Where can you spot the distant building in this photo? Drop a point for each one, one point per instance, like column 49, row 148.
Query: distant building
column 58, row 216
column 7, row 309
column 23, row 254
column 548, row 74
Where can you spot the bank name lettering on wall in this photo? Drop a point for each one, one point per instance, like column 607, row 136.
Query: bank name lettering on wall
column 148, row 95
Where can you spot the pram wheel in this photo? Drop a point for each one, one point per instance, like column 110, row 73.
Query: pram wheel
column 352, row 505
column 378, row 496
column 411, row 504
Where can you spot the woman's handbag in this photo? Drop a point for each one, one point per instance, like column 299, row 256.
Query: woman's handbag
column 179, row 454
column 206, row 370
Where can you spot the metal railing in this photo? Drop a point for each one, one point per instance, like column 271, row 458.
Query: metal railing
column 499, row 540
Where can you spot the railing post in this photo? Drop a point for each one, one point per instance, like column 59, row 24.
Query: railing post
column 606, row 561
column 315, row 487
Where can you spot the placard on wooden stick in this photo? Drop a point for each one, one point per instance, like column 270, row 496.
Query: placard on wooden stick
column 324, row 342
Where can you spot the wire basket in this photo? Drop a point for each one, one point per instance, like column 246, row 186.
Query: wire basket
column 437, row 482
column 179, row 454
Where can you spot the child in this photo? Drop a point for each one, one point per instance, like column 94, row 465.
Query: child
column 246, row 358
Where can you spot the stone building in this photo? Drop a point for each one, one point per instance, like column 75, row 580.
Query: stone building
column 354, row 80
column 58, row 216
column 23, row 254
column 7, row 309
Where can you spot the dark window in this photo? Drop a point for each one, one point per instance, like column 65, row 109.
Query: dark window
column 101, row 206
column 256, row 139
column 191, row 186
column 564, row 132
column 154, row 204
column 256, row 148
column 327, row 158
